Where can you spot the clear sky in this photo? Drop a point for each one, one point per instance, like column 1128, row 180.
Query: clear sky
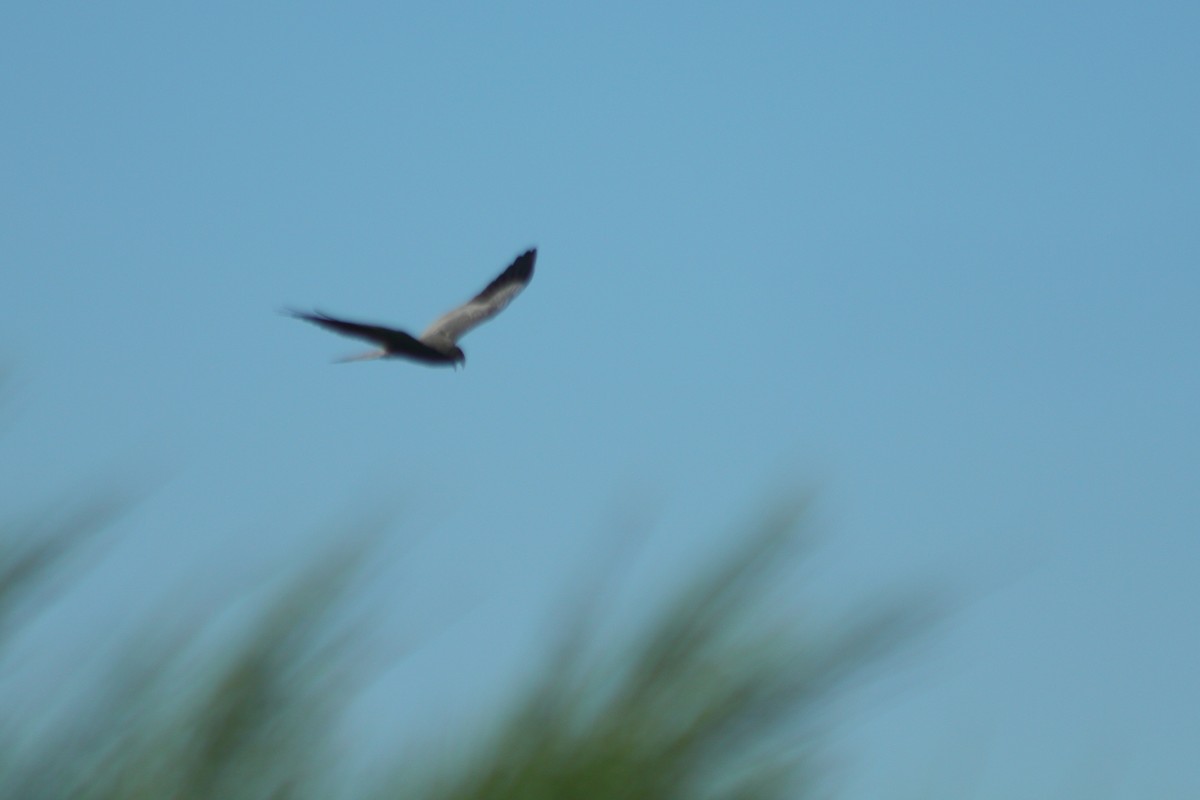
column 938, row 261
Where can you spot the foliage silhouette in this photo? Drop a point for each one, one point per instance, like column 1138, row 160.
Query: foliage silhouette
column 721, row 696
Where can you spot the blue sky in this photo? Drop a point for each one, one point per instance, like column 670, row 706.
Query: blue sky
column 939, row 262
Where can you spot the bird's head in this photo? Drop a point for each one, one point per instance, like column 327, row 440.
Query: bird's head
column 459, row 357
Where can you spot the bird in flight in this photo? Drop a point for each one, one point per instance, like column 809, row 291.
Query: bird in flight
column 438, row 344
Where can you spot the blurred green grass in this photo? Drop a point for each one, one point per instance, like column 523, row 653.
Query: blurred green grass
column 722, row 694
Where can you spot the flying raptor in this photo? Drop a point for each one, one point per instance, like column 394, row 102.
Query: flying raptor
column 438, row 344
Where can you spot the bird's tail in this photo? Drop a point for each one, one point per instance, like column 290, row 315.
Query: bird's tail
column 370, row 355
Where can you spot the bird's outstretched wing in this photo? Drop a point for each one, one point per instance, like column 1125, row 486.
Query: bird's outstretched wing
column 452, row 325
column 391, row 340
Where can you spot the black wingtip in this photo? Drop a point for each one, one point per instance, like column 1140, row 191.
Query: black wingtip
column 315, row 316
column 519, row 271
column 522, row 267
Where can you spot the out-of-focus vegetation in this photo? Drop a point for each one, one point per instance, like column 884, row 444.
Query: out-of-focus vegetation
column 723, row 694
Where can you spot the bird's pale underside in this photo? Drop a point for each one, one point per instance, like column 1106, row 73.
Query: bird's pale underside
column 438, row 344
